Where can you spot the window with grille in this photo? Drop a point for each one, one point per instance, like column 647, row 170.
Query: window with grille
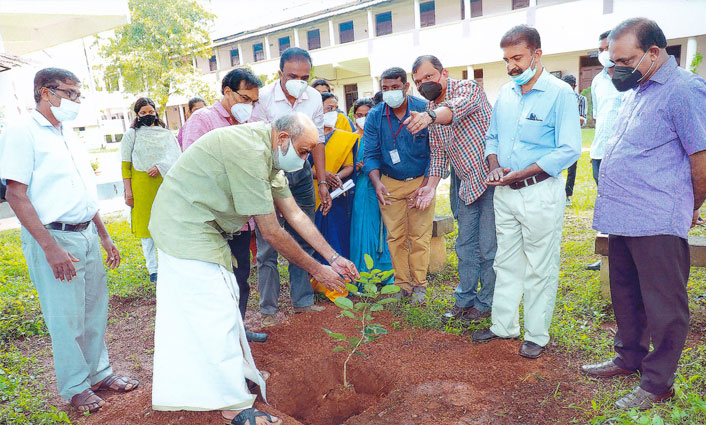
column 345, row 32
column 383, row 23
column 258, row 52
column 313, row 39
column 427, row 14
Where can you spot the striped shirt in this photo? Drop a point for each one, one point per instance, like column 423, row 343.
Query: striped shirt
column 462, row 142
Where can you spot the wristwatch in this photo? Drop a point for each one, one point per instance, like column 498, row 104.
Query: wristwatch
column 432, row 115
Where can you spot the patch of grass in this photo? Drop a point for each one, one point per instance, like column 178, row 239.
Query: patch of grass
column 22, row 397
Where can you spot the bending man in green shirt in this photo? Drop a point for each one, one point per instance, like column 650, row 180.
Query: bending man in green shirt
column 201, row 356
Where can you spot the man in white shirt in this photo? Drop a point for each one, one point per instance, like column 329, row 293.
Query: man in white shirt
column 606, row 101
column 291, row 93
column 51, row 189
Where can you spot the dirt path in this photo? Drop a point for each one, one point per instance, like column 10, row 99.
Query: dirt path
column 410, row 376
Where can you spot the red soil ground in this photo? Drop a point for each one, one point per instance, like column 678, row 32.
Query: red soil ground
column 411, row 376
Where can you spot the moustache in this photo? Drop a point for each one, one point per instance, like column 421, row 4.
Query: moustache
column 514, row 71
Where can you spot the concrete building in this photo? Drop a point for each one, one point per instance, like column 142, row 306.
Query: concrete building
column 353, row 43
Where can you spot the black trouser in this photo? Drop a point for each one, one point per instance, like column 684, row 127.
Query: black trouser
column 570, row 179
column 648, row 277
column 240, row 248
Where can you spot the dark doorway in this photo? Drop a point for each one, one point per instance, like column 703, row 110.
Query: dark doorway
column 351, row 93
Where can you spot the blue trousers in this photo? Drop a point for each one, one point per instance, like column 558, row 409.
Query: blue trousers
column 75, row 312
column 475, row 247
column 301, row 184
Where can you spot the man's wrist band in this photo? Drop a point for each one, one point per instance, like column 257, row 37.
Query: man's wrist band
column 334, row 257
column 323, row 182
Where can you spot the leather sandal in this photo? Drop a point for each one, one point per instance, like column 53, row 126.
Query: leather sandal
column 116, row 383
column 252, row 386
column 87, row 401
column 249, row 417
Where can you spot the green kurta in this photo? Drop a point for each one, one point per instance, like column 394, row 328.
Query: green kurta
column 217, row 184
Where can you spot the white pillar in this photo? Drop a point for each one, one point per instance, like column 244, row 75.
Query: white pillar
column 532, row 3
column 690, row 52
column 126, row 119
column 218, row 65
column 376, row 85
column 371, row 24
column 267, row 48
column 417, row 18
column 467, row 8
column 331, row 33
column 241, row 57
column 182, row 116
column 296, row 37
column 469, row 71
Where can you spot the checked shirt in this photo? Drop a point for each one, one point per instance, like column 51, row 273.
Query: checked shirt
column 462, row 142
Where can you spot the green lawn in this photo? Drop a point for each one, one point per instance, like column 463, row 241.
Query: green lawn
column 576, row 328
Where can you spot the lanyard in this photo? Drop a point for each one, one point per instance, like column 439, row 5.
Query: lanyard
column 394, row 135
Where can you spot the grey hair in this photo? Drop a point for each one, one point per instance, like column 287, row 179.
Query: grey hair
column 294, row 123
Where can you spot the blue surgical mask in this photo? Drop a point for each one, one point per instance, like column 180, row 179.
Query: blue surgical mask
column 393, row 98
column 290, row 161
column 526, row 75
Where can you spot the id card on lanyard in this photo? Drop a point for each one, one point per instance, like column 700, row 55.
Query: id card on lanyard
column 394, row 154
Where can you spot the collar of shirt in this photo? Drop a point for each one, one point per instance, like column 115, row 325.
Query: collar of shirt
column 218, row 107
column 664, row 71
column 44, row 122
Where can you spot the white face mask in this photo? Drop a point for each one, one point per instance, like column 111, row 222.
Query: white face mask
column 66, row 111
column 604, row 59
column 360, row 122
column 330, row 119
column 393, row 98
column 290, row 161
column 241, row 112
column 295, row 88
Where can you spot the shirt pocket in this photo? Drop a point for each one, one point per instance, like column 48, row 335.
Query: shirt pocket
column 420, row 144
column 535, row 132
column 649, row 131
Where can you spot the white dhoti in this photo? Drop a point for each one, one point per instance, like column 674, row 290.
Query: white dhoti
column 201, row 355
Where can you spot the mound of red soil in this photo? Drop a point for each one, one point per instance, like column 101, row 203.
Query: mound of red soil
column 410, row 376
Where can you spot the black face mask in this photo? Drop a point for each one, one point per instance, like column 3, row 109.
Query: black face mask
column 430, row 90
column 147, row 120
column 624, row 77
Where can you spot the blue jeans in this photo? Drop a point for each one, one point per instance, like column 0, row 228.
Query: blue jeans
column 475, row 247
column 301, row 184
column 596, row 165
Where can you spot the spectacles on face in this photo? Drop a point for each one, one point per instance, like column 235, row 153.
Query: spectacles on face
column 70, row 94
column 246, row 98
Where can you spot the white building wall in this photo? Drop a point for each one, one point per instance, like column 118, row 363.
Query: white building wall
column 447, row 10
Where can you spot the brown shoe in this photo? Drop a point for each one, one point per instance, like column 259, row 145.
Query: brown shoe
column 531, row 350
column 605, row 370
column 309, row 309
column 456, row 313
column 475, row 315
column 268, row 320
column 642, row 400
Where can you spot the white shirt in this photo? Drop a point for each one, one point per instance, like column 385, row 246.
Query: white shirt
column 274, row 104
column 60, row 180
column 606, row 102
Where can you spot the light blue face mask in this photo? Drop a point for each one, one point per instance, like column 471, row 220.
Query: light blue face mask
column 290, row 161
column 393, row 98
column 527, row 75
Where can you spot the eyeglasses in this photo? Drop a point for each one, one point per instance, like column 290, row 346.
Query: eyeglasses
column 71, row 94
column 246, row 98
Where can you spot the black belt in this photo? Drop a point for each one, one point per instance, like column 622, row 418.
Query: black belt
column 529, row 181
column 65, row 227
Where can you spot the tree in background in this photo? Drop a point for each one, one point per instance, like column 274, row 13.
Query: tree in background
column 153, row 54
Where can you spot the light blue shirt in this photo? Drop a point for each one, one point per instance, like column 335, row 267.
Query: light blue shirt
column 606, row 103
column 541, row 126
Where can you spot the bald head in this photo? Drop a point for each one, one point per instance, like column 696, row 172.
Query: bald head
column 299, row 128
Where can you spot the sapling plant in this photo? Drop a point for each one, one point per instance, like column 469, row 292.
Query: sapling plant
column 362, row 312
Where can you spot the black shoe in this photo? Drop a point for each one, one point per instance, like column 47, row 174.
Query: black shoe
column 153, row 277
column 487, row 335
column 256, row 336
column 594, row 266
column 531, row 350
